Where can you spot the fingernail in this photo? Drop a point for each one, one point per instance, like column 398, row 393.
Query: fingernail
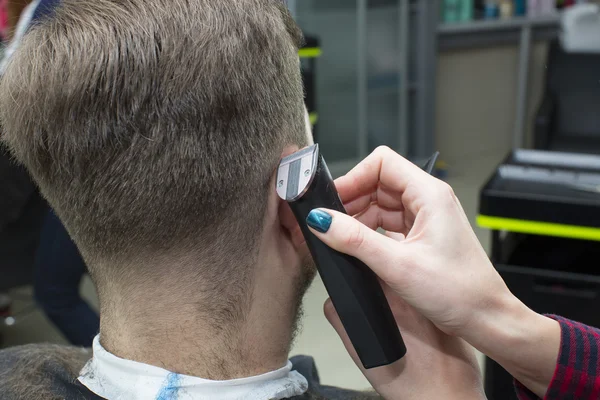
column 319, row 220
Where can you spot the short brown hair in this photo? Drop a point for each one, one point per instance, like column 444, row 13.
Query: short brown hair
column 154, row 126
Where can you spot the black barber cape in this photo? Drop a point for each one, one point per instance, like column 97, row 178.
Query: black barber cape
column 45, row 371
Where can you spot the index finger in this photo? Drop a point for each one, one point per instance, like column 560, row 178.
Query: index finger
column 383, row 166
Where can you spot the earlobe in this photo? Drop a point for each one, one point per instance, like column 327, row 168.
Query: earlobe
column 290, row 225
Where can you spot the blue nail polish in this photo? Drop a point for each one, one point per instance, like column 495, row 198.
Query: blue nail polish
column 319, row 220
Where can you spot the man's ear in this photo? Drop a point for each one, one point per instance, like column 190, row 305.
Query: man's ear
column 288, row 150
column 290, row 226
column 285, row 216
column 309, row 127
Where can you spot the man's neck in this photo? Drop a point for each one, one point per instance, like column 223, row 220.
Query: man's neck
column 177, row 338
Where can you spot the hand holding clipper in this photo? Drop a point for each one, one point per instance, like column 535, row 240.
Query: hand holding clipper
column 304, row 181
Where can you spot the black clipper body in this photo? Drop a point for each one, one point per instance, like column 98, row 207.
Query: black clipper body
column 304, row 181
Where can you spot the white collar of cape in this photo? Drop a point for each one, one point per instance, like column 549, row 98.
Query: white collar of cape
column 115, row 378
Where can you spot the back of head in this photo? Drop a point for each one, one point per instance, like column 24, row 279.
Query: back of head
column 153, row 127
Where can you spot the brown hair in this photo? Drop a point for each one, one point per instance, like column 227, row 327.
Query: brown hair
column 153, row 127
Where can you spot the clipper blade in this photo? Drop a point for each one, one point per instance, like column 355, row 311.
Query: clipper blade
column 296, row 172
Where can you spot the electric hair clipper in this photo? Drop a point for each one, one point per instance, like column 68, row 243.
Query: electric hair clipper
column 304, row 181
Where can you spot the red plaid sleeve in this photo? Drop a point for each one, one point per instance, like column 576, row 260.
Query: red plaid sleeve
column 577, row 374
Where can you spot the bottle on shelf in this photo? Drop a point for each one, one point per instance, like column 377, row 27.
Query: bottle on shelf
column 506, row 9
column 491, row 9
column 567, row 3
column 520, row 7
column 450, row 11
column 533, row 7
column 466, row 10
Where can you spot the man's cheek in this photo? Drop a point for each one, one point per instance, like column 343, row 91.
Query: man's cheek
column 304, row 253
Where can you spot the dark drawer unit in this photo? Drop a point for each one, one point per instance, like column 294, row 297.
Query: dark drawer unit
column 543, row 209
column 550, row 275
column 556, row 275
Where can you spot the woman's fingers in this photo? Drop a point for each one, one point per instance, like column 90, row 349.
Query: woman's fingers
column 348, row 235
column 359, row 205
column 383, row 196
column 376, row 217
column 383, row 167
column 398, row 237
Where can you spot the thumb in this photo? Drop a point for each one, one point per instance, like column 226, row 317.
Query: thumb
column 347, row 235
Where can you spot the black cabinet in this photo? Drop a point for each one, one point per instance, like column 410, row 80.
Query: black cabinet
column 551, row 275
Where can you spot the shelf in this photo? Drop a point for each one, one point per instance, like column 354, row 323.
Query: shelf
column 496, row 32
column 498, row 24
column 345, row 4
column 333, row 5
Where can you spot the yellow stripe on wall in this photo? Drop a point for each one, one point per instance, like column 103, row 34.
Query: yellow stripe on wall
column 538, row 228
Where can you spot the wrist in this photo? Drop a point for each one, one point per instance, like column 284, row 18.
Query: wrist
column 524, row 342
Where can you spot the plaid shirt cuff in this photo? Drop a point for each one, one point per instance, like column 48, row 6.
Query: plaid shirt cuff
column 577, row 374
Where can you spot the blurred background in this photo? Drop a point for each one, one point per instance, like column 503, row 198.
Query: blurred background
column 507, row 90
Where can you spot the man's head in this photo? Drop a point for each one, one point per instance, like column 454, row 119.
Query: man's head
column 154, row 128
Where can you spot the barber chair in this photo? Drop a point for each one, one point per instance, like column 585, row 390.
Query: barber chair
column 568, row 118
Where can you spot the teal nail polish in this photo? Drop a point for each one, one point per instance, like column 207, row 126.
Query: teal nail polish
column 319, row 220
